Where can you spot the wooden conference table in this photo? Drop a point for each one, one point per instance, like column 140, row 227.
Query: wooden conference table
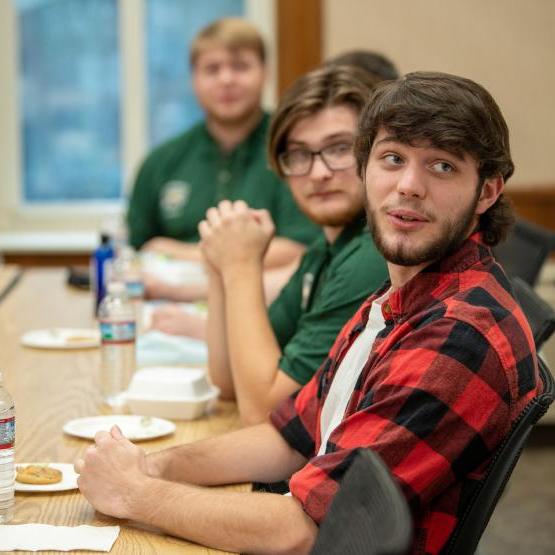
column 52, row 387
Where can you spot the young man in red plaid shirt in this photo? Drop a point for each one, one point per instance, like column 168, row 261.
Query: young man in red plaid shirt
column 431, row 372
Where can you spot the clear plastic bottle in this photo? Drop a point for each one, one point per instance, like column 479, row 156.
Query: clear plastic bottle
column 7, row 442
column 127, row 269
column 116, row 317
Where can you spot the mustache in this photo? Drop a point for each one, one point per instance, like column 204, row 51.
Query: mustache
column 405, row 204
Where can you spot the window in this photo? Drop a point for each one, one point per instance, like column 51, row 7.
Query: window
column 70, row 144
column 70, row 80
column 170, row 27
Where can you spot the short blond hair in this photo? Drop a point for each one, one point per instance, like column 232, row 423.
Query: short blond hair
column 232, row 33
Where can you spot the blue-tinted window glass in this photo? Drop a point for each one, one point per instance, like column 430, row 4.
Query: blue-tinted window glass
column 170, row 27
column 70, row 110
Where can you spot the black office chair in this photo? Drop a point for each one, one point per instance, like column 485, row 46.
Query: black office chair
column 540, row 314
column 479, row 508
column 525, row 250
column 369, row 515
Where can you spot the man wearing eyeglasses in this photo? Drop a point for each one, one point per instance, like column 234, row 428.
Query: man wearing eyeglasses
column 268, row 355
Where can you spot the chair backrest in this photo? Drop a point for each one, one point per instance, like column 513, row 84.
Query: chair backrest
column 481, row 504
column 525, row 250
column 540, row 314
column 369, row 514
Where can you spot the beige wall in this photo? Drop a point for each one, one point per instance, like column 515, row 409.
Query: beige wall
column 506, row 45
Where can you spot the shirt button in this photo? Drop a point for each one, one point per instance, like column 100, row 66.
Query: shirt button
column 224, row 176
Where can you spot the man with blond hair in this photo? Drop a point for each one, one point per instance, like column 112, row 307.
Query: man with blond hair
column 222, row 157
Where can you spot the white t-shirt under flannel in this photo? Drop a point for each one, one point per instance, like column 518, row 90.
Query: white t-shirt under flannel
column 348, row 372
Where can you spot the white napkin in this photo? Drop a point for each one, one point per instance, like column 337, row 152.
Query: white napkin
column 45, row 537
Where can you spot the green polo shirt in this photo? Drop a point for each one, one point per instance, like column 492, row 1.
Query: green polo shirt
column 331, row 283
column 185, row 176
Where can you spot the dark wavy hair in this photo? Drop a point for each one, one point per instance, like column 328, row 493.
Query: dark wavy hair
column 451, row 113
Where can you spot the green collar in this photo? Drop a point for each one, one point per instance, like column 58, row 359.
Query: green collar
column 352, row 229
column 211, row 149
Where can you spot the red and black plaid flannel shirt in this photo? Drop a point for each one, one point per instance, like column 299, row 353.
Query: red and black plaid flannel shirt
column 446, row 377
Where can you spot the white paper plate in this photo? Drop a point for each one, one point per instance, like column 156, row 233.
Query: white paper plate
column 69, row 479
column 61, row 338
column 135, row 428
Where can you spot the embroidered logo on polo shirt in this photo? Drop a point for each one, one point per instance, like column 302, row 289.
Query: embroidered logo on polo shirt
column 174, row 197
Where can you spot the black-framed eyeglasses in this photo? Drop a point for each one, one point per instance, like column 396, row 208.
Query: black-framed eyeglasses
column 298, row 161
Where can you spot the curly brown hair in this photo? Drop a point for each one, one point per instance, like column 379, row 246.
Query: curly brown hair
column 451, row 113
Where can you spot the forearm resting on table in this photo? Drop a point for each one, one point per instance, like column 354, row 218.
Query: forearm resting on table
column 255, row 454
column 274, row 280
column 176, row 292
column 281, row 262
column 173, row 320
column 174, row 248
column 238, row 522
column 282, row 251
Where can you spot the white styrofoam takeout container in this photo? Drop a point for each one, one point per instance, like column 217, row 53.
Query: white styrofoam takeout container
column 169, row 392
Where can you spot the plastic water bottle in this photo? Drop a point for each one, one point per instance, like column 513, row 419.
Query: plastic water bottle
column 100, row 261
column 127, row 269
column 116, row 317
column 7, row 441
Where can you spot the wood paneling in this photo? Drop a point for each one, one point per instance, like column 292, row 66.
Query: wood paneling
column 51, row 259
column 536, row 204
column 299, row 39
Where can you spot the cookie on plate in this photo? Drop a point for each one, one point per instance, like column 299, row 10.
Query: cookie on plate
column 38, row 475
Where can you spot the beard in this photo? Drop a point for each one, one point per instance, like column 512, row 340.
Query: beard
column 349, row 209
column 451, row 235
column 334, row 219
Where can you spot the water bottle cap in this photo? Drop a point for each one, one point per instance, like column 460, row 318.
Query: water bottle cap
column 105, row 238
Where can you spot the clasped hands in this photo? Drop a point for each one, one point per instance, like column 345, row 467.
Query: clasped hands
column 234, row 235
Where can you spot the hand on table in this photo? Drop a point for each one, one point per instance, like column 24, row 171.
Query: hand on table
column 154, row 288
column 173, row 320
column 234, row 235
column 110, row 472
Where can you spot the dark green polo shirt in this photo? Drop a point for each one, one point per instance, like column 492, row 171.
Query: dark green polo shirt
column 185, row 176
column 331, row 283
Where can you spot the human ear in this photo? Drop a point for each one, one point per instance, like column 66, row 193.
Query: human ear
column 491, row 189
